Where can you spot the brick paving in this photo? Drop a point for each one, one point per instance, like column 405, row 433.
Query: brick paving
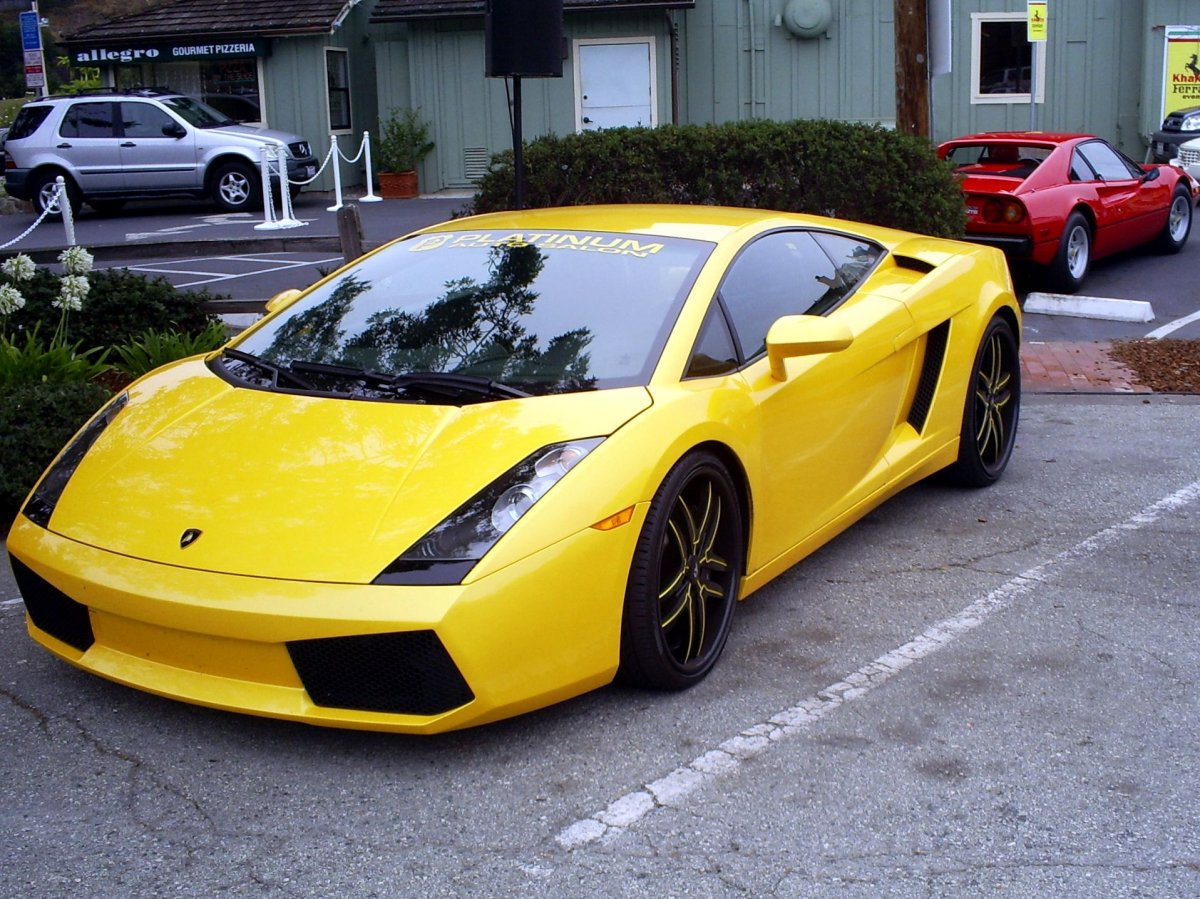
column 1065, row 367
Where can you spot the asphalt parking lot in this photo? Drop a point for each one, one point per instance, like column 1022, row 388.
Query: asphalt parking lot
column 969, row 694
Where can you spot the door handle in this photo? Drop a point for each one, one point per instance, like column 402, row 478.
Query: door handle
column 63, row 146
column 586, row 120
column 128, row 143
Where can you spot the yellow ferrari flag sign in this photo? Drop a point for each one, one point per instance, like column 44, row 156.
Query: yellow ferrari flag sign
column 1037, row 20
column 1181, row 78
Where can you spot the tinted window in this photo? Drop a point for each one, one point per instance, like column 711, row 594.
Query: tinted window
column 785, row 273
column 88, row 120
column 715, row 353
column 27, row 121
column 1108, row 164
column 1079, row 169
column 852, row 260
column 144, row 120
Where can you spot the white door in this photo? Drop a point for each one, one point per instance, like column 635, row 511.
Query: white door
column 615, row 84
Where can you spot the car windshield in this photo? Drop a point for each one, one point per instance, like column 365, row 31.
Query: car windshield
column 192, row 111
column 1007, row 160
column 534, row 311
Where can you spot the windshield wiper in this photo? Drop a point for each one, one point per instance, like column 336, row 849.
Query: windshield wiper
column 447, row 385
column 276, row 373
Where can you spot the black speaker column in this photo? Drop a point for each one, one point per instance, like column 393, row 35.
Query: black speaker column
column 522, row 39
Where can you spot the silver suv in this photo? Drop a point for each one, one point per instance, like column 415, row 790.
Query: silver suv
column 115, row 146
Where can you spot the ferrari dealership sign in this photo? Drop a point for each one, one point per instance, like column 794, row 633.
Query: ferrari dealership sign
column 1181, row 70
column 1037, row 20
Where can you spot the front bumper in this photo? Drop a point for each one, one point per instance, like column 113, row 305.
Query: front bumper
column 1164, row 145
column 404, row 659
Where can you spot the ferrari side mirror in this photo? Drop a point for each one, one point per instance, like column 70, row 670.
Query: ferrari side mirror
column 803, row 335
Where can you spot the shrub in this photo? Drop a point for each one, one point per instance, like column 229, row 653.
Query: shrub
column 154, row 348
column 27, row 360
column 853, row 171
column 120, row 306
column 36, row 421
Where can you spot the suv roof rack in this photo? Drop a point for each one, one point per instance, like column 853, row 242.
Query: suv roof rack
column 148, row 91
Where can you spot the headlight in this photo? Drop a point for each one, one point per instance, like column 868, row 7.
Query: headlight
column 448, row 552
column 41, row 504
column 1190, row 122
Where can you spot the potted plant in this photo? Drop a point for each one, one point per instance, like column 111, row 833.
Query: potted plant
column 403, row 143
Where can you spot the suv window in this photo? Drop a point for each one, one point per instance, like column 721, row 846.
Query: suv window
column 196, row 113
column 27, row 121
column 88, row 120
column 145, row 120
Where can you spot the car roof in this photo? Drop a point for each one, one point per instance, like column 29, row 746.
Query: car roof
column 710, row 223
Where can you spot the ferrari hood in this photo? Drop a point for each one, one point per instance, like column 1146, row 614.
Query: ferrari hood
column 299, row 487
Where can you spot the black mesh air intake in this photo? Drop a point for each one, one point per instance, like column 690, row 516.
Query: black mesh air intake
column 931, row 370
column 408, row 673
column 52, row 610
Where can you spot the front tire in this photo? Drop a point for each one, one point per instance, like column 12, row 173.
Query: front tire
column 1070, row 266
column 684, row 579
column 1179, row 222
column 989, row 424
column 237, row 187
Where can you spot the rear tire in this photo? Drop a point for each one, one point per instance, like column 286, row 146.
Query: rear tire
column 1179, row 222
column 684, row 578
column 1070, row 266
column 43, row 195
column 993, row 406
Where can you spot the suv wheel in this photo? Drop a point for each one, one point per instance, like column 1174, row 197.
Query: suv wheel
column 236, row 187
column 44, row 194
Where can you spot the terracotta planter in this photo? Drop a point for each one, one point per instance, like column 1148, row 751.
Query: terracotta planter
column 398, row 185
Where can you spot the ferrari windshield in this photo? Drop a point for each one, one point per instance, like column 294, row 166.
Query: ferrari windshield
column 535, row 312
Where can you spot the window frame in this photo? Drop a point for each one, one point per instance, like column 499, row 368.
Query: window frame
column 344, row 55
column 1038, row 62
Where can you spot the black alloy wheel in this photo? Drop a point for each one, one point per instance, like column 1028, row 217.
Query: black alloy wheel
column 989, row 425
column 684, row 580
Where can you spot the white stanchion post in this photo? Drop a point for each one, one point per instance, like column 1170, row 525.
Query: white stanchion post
column 68, row 214
column 369, row 196
column 287, row 218
column 335, row 160
column 268, row 222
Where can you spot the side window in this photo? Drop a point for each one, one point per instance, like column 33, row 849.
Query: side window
column 714, row 353
column 88, row 120
column 27, row 121
column 1108, row 163
column 785, row 273
column 337, row 80
column 144, row 120
column 1079, row 169
column 852, row 260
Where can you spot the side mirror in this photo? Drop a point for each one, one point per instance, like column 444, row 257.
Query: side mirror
column 282, row 299
column 174, row 130
column 1151, row 175
column 804, row 335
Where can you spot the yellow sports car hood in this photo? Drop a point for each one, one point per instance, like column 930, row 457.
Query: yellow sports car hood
column 301, row 487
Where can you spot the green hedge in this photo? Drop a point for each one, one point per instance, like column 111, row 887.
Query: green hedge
column 120, row 306
column 859, row 172
column 36, row 421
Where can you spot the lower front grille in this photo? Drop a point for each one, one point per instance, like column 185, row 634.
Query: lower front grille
column 52, row 610
column 408, row 673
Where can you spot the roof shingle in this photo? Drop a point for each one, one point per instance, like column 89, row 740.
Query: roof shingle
column 213, row 18
column 402, row 10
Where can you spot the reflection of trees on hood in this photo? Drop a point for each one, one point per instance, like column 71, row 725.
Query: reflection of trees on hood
column 477, row 328
column 317, row 333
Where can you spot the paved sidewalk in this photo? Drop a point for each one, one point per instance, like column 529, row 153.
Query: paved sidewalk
column 1065, row 367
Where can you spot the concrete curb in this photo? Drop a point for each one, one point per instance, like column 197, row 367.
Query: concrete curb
column 1089, row 307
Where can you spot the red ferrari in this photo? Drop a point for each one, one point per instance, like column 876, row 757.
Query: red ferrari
column 1062, row 200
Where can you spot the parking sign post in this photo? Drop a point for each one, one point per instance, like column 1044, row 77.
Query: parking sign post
column 1037, row 25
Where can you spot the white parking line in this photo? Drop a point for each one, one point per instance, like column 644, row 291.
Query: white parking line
column 727, row 758
column 211, row 277
column 1171, row 327
column 12, row 602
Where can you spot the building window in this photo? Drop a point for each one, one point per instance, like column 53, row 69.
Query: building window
column 231, row 86
column 337, row 81
column 1003, row 61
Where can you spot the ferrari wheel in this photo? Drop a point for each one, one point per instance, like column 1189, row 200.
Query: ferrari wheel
column 989, row 426
column 1179, row 222
column 683, row 583
column 1074, row 258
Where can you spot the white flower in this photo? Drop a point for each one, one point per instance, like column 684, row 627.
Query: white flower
column 10, row 299
column 19, row 267
column 71, row 293
column 76, row 261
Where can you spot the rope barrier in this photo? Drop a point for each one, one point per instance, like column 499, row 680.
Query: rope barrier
column 60, row 194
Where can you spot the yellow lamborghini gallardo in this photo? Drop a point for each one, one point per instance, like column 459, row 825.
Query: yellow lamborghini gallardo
column 501, row 461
